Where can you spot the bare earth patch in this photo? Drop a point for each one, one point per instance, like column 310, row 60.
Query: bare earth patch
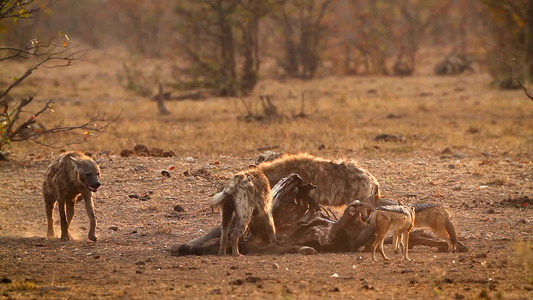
column 131, row 258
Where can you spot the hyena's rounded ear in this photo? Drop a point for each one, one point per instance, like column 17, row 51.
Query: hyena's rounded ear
column 252, row 166
column 75, row 160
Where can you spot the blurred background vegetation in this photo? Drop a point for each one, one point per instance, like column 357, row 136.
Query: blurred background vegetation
column 227, row 45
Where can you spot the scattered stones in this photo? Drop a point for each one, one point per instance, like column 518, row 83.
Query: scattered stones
column 388, row 138
column 133, row 196
column 165, row 173
column 143, row 150
column 189, row 159
column 491, row 211
column 335, row 289
column 520, row 202
column 113, row 227
column 451, row 166
column 457, row 187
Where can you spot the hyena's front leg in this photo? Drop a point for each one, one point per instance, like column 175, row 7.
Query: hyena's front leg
column 271, row 229
column 89, row 207
column 65, row 235
column 70, row 210
column 50, row 204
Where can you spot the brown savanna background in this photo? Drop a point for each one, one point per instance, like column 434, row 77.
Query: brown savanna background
column 337, row 74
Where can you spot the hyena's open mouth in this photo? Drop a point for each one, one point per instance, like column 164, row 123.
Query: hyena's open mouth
column 92, row 189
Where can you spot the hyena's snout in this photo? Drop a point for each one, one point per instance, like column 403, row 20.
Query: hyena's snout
column 94, row 186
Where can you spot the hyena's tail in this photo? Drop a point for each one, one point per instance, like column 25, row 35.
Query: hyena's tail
column 450, row 227
column 218, row 198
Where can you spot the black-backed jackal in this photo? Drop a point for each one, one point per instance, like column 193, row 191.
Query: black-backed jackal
column 400, row 219
column 428, row 215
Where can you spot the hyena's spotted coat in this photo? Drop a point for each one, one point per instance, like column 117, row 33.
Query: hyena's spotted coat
column 338, row 182
column 69, row 175
column 247, row 194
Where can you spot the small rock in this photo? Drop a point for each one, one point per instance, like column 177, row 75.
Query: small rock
column 445, row 157
column 144, row 197
column 188, row 159
column 372, row 91
column 139, row 168
column 133, row 196
column 253, row 279
column 446, row 150
column 233, row 267
column 457, row 187
column 126, row 153
column 165, row 173
column 237, row 282
column 523, row 221
column 168, row 154
column 459, row 155
column 451, row 166
column 491, row 211
column 5, row 280
column 321, row 147
column 275, row 266
column 179, row 208
column 335, row 289
column 113, row 227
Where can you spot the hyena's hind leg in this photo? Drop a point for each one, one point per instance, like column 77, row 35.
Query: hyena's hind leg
column 241, row 224
column 50, row 204
column 65, row 235
column 227, row 213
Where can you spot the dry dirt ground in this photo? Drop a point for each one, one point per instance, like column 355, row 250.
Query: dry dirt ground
column 131, row 258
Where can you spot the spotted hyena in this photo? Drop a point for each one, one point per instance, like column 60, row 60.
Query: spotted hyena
column 247, row 194
column 68, row 176
column 338, row 182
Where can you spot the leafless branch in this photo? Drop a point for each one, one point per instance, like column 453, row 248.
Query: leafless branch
column 504, row 59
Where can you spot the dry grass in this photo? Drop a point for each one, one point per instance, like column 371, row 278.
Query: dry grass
column 343, row 114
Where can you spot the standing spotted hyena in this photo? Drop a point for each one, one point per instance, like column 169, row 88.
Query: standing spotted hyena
column 69, row 175
column 338, row 182
column 247, row 194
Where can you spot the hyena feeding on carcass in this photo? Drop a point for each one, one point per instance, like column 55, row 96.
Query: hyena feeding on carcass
column 69, row 175
column 247, row 195
column 338, row 182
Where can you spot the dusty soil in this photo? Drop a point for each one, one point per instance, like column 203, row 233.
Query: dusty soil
column 131, row 258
